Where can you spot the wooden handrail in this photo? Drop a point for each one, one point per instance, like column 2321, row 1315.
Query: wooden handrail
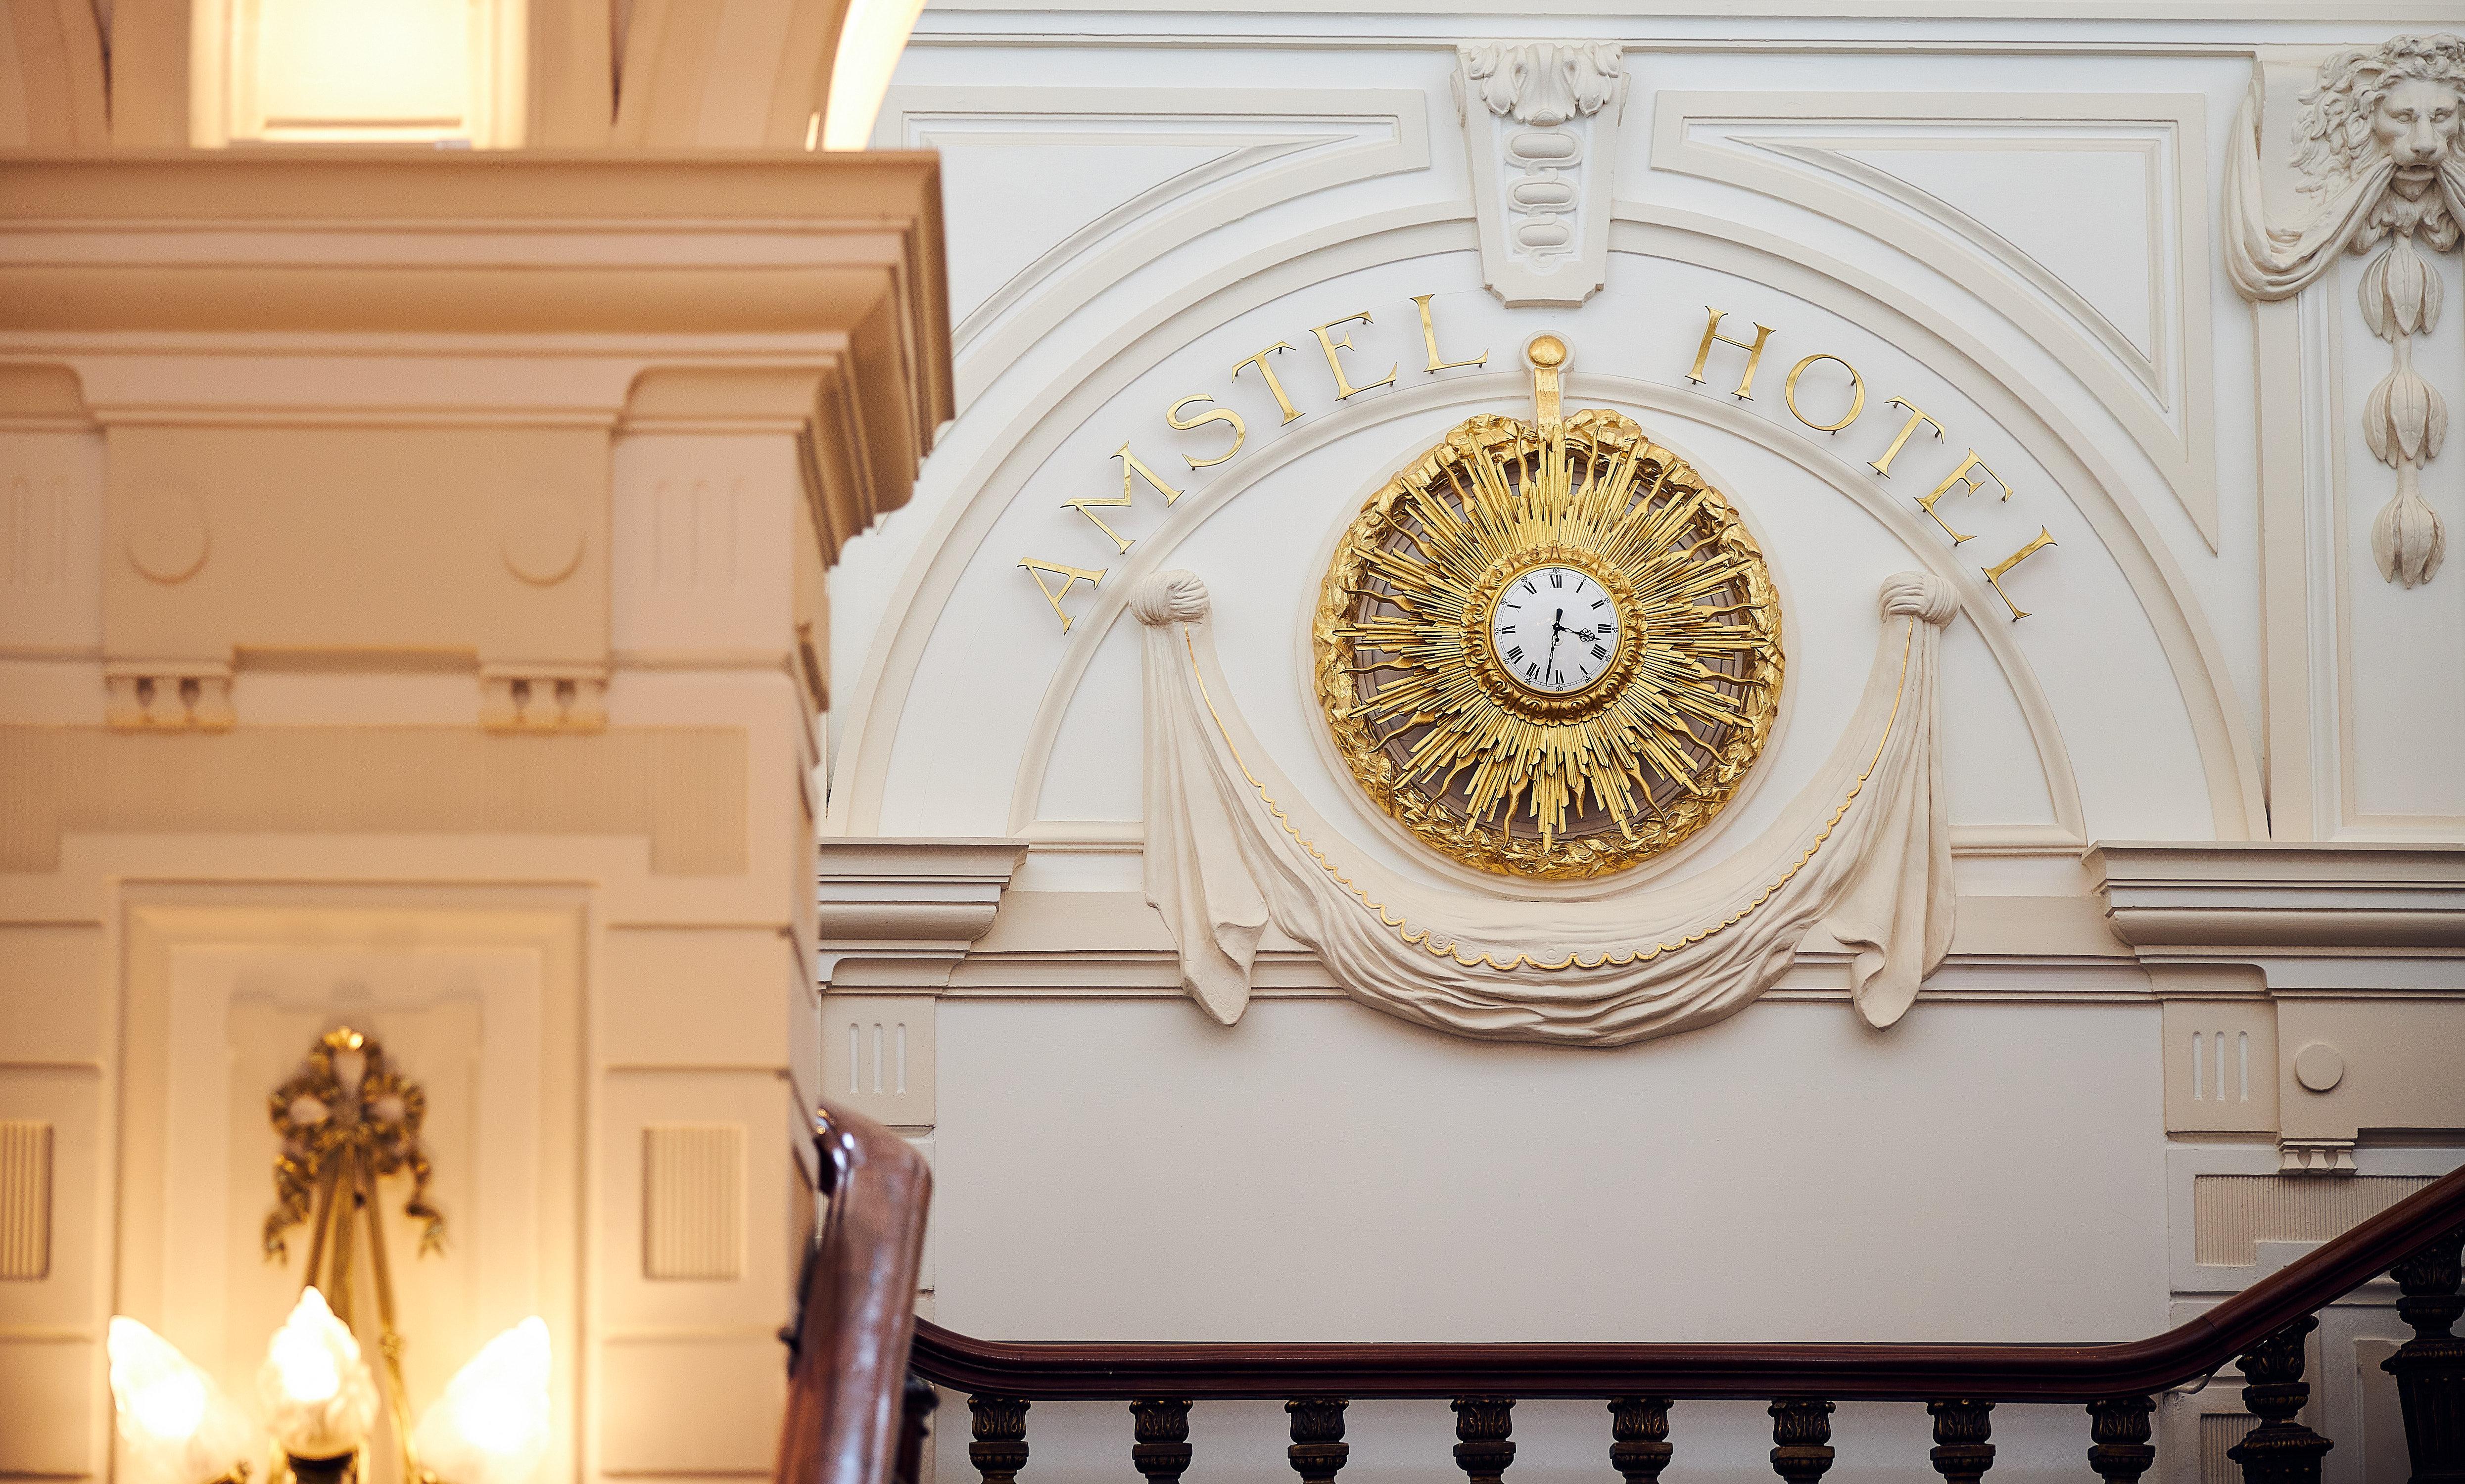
column 1077, row 1370
column 858, row 1307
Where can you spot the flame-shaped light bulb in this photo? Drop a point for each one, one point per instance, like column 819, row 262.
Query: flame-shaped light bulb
column 321, row 1398
column 491, row 1426
column 178, row 1425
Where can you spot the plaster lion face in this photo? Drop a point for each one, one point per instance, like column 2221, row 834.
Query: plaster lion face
column 2417, row 122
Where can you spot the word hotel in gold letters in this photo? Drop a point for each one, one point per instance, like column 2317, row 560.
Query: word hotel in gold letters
column 1057, row 580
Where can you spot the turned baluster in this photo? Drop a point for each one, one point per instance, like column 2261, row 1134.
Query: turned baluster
column 2118, row 1435
column 1481, row 1426
column 1639, row 1438
column 1000, row 1447
column 1801, row 1438
column 2279, row 1451
column 1162, row 1452
column 1318, row 1449
column 916, row 1402
column 2430, row 1368
column 1960, row 1453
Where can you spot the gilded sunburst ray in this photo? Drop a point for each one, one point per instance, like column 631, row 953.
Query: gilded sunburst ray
column 1535, row 781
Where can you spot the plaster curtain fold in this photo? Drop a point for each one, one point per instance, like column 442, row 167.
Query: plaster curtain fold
column 1864, row 851
column 2269, row 263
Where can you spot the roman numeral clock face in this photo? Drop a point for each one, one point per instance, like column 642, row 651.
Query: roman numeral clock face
column 1554, row 631
column 1549, row 650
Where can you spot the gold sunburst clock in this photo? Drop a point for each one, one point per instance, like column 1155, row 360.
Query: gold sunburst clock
column 1548, row 649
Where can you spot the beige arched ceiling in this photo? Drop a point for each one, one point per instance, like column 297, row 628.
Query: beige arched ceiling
column 51, row 93
column 725, row 73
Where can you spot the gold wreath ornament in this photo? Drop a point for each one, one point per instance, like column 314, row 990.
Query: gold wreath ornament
column 1548, row 649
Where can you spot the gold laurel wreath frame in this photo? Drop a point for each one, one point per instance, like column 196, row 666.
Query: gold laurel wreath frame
column 1524, row 734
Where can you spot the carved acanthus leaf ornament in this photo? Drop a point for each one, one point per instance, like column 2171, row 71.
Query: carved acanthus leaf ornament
column 2378, row 142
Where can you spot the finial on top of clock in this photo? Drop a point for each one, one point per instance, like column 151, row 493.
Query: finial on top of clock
column 1547, row 355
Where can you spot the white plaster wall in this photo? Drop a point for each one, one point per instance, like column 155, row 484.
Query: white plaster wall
column 2009, row 220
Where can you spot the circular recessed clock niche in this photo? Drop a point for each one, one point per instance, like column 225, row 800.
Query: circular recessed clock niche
column 1549, row 650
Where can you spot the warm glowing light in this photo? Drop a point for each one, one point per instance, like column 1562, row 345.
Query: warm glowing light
column 491, row 1426
column 870, row 41
column 178, row 1425
column 319, row 1396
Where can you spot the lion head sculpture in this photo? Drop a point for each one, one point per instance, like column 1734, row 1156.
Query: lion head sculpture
column 2403, row 102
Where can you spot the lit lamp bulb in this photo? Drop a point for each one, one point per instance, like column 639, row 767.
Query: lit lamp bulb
column 178, row 1427
column 490, row 1425
column 321, row 1398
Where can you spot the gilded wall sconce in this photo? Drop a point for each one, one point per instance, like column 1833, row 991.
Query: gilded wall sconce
column 345, row 1122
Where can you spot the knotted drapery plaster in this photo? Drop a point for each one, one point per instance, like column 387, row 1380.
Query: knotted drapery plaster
column 1864, row 852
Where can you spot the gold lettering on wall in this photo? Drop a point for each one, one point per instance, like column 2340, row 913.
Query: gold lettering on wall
column 1430, row 339
column 1221, row 415
column 1754, row 353
column 1109, row 502
column 1267, row 370
column 1131, row 464
column 1344, row 390
column 1995, row 574
column 1883, row 465
column 1036, row 570
column 1856, row 392
column 1966, row 484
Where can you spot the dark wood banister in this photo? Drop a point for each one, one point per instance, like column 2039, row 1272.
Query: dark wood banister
column 847, row 1345
column 1059, row 1371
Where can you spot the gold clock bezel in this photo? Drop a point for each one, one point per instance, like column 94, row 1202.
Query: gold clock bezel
column 1512, row 781
column 1552, row 705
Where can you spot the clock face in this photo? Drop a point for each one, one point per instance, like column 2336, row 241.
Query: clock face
column 1554, row 629
column 1549, row 650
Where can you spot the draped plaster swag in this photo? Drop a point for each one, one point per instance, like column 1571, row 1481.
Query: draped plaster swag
column 1864, row 852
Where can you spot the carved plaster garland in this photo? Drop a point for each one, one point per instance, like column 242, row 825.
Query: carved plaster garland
column 1864, row 852
column 2378, row 141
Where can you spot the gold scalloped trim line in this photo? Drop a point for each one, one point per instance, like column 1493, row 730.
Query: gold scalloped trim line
column 1421, row 939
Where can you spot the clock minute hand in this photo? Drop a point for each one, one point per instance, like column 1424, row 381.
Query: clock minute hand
column 1557, row 627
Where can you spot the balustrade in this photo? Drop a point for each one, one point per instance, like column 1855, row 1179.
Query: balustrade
column 2417, row 1242
column 841, row 1413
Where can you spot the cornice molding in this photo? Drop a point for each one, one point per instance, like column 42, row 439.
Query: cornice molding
column 824, row 271
column 899, row 914
column 2269, row 896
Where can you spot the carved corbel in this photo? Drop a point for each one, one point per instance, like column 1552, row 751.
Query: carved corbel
column 897, row 915
column 2378, row 145
column 1541, row 122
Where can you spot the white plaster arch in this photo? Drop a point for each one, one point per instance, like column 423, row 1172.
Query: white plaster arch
column 1157, row 550
column 1281, row 144
column 1109, row 366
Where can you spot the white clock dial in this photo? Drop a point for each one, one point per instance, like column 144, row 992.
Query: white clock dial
column 1554, row 629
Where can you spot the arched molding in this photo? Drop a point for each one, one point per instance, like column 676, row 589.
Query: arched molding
column 1157, row 550
column 2164, row 399
column 1078, row 391
column 2061, row 447
column 1021, row 446
column 51, row 79
column 1279, row 144
column 725, row 74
